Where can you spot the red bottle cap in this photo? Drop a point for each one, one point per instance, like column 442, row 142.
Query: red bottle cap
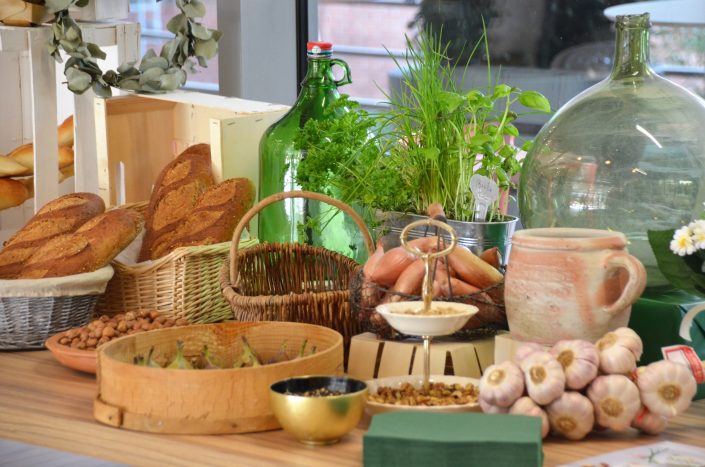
column 321, row 45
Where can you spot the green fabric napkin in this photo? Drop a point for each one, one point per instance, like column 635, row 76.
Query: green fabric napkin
column 451, row 439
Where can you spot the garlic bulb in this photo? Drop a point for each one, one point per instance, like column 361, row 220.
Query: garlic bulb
column 619, row 350
column 648, row 422
column 616, row 401
column 526, row 406
column 525, row 349
column 666, row 387
column 571, row 415
column 579, row 360
column 545, row 380
column 491, row 408
column 502, row 384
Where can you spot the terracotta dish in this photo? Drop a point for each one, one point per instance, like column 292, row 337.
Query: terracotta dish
column 81, row 360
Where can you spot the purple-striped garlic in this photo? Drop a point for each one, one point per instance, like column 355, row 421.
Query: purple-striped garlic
column 571, row 415
column 580, row 362
column 502, row 384
column 544, row 377
column 666, row 387
column 648, row 422
column 491, row 408
column 526, row 406
column 525, row 349
column 619, row 351
column 616, row 401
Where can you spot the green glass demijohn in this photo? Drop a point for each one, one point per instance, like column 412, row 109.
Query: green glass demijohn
column 282, row 222
column 627, row 154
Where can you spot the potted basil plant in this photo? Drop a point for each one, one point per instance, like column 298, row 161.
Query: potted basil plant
column 425, row 149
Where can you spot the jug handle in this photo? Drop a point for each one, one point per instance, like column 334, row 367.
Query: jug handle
column 635, row 285
column 346, row 72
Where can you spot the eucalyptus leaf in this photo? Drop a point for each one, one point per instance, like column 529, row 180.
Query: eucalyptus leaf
column 82, row 3
column 101, row 90
column 73, row 33
column 206, row 49
column 535, row 100
column 110, row 77
column 195, row 9
column 177, row 23
column 151, row 74
column 169, row 81
column 202, row 62
column 95, row 51
column 129, row 84
column 125, row 66
column 200, row 32
column 78, row 81
column 154, row 62
column 67, row 46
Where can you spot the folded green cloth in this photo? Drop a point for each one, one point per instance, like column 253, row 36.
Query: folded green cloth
column 452, row 439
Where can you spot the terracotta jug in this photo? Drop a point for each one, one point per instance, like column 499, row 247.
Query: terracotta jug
column 568, row 283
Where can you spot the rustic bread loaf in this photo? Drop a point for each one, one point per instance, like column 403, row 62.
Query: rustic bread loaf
column 175, row 193
column 91, row 247
column 61, row 216
column 213, row 219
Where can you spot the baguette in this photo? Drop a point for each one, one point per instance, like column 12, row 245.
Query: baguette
column 61, row 216
column 213, row 219
column 24, row 155
column 65, row 131
column 12, row 193
column 175, row 193
column 9, row 167
column 91, row 247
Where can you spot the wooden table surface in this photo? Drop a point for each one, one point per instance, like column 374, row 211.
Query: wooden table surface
column 43, row 403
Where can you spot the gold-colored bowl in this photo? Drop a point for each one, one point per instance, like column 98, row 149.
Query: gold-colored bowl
column 318, row 419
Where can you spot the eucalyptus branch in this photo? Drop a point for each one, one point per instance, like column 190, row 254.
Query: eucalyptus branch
column 154, row 74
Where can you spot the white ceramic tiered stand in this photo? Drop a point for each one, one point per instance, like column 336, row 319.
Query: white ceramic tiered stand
column 421, row 322
column 29, row 100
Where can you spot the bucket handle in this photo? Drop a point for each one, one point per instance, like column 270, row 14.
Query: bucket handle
column 271, row 199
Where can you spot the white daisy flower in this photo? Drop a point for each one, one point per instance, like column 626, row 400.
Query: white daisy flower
column 698, row 234
column 682, row 243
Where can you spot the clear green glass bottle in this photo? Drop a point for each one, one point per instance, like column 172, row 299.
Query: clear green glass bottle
column 628, row 154
column 279, row 159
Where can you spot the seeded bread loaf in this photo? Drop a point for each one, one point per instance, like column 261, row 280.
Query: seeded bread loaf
column 175, row 193
column 90, row 247
column 61, row 216
column 213, row 219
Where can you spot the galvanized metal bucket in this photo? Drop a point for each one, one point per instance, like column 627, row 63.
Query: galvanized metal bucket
column 477, row 236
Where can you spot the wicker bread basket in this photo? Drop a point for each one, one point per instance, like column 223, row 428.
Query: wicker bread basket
column 293, row 282
column 31, row 310
column 182, row 284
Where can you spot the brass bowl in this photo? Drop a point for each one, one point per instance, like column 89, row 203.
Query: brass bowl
column 318, row 419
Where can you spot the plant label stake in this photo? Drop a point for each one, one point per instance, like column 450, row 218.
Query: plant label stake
column 485, row 192
column 427, row 288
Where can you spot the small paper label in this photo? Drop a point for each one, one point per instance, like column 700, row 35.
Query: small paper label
column 687, row 356
column 485, row 191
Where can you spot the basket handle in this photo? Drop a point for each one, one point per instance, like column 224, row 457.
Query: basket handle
column 271, row 199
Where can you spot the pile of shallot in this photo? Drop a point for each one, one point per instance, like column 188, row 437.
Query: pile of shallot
column 577, row 386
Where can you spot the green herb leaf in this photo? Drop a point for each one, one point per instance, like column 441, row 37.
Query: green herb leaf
column 674, row 267
column 535, row 100
column 501, row 90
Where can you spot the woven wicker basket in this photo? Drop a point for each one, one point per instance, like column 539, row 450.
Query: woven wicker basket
column 31, row 310
column 293, row 282
column 182, row 284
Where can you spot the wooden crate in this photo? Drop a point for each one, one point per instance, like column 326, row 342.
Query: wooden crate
column 137, row 135
column 28, row 79
column 374, row 358
column 101, row 10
